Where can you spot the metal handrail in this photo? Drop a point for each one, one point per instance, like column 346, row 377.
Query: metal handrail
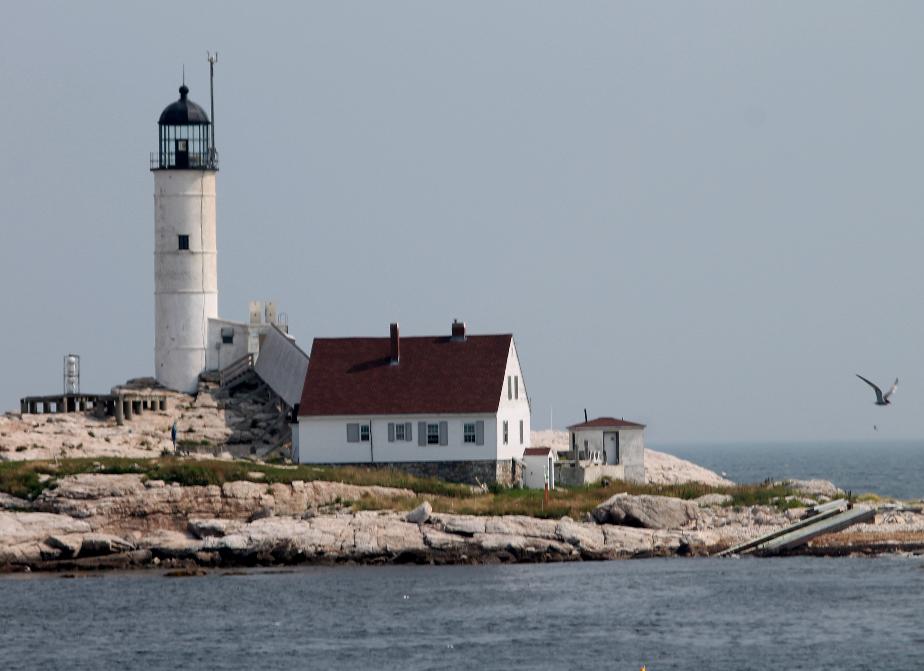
column 202, row 160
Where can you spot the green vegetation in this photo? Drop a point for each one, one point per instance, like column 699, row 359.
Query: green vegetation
column 21, row 478
column 575, row 502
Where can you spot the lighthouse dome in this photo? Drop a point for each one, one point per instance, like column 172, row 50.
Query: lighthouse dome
column 183, row 112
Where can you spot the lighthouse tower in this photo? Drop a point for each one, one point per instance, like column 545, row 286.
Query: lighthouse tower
column 185, row 252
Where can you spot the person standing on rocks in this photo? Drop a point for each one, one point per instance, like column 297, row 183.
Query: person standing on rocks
column 173, row 435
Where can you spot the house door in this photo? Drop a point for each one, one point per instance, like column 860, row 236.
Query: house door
column 611, row 446
column 181, row 159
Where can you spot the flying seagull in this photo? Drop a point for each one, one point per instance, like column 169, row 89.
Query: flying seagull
column 881, row 399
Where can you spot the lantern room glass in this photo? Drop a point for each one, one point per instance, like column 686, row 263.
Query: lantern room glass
column 184, row 147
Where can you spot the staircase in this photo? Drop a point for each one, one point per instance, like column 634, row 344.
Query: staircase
column 237, row 372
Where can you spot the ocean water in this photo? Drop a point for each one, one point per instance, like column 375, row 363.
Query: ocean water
column 795, row 613
column 891, row 468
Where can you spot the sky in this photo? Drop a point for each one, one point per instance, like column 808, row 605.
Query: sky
column 706, row 217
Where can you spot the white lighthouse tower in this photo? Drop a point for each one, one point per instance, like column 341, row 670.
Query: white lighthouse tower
column 185, row 250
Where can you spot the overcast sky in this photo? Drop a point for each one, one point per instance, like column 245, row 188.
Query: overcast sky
column 703, row 216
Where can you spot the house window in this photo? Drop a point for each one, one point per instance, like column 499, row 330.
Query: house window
column 505, row 432
column 364, row 433
column 468, row 432
column 509, row 388
column 184, row 243
column 516, row 388
column 433, row 434
column 521, row 432
column 227, row 335
column 399, row 432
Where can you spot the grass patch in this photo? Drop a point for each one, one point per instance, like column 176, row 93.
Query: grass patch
column 21, row 478
column 575, row 502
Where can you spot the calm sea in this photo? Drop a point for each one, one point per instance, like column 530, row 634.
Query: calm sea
column 889, row 467
column 701, row 614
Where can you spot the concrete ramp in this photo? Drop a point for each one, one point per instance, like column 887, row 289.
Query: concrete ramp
column 825, row 519
column 282, row 365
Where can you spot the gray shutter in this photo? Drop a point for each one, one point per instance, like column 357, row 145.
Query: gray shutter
column 407, row 431
column 479, row 432
column 444, row 433
column 422, row 434
column 509, row 388
column 391, row 432
column 352, row 433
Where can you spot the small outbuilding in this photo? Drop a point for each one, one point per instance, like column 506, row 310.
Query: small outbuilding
column 616, row 444
column 538, row 467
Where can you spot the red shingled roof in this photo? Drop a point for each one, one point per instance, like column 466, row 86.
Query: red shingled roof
column 354, row 376
column 607, row 423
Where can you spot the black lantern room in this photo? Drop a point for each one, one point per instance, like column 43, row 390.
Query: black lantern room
column 184, row 137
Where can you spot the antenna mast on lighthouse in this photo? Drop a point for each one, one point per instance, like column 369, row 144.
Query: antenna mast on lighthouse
column 213, row 153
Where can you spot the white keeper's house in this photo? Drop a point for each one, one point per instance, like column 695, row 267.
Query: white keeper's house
column 452, row 406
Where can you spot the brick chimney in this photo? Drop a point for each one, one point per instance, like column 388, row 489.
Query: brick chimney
column 395, row 344
column 458, row 330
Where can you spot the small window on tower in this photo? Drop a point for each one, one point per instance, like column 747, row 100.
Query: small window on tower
column 184, row 242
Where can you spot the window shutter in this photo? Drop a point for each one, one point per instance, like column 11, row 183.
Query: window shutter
column 444, row 433
column 516, row 386
column 352, row 433
column 422, row 434
column 479, row 432
column 509, row 388
column 391, row 432
column 407, row 431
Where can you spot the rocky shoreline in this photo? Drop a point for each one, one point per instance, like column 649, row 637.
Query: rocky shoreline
column 99, row 521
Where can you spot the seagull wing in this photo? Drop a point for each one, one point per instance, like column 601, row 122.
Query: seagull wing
column 891, row 391
column 878, row 390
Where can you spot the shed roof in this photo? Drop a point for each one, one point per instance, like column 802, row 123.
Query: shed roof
column 435, row 374
column 537, row 451
column 606, row 423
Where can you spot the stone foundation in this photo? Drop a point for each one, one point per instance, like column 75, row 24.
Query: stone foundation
column 505, row 471
column 576, row 474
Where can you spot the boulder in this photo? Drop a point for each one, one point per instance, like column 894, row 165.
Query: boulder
column 21, row 527
column 440, row 540
column 212, row 527
column 586, row 537
column 815, row 488
column 521, row 525
column 103, row 544
column 646, row 511
column 96, row 486
column 8, row 502
column 171, row 544
column 420, row 514
column 626, row 541
column 709, row 500
column 68, row 544
column 465, row 525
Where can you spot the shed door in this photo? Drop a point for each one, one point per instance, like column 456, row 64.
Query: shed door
column 611, row 446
